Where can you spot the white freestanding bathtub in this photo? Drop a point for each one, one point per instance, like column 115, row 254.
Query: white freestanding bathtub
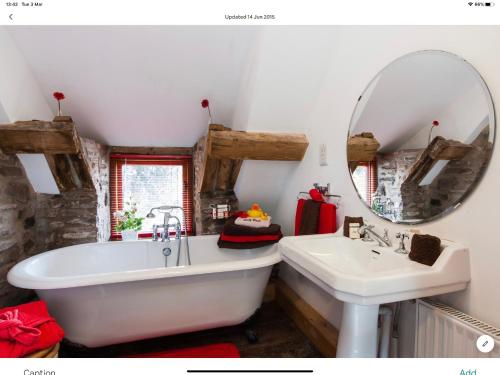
column 113, row 292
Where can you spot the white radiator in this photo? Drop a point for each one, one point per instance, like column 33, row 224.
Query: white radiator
column 444, row 332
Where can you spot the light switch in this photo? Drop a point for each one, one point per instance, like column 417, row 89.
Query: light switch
column 323, row 157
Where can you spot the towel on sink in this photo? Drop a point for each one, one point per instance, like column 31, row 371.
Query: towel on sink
column 425, row 249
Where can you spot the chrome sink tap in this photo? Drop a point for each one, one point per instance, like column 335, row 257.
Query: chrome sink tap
column 382, row 241
column 402, row 248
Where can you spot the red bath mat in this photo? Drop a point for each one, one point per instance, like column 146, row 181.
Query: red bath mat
column 207, row 351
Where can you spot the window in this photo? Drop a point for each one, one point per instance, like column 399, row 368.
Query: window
column 151, row 181
column 365, row 180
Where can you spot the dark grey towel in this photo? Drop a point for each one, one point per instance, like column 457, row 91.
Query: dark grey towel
column 310, row 217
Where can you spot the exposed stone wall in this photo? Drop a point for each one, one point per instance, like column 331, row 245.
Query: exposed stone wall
column 455, row 180
column 18, row 238
column 98, row 158
column 204, row 224
column 78, row 216
column 459, row 177
column 66, row 219
column 392, row 170
column 31, row 223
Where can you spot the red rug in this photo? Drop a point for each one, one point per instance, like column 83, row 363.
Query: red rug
column 207, row 351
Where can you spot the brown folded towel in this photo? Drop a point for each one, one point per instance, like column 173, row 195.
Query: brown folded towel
column 232, row 229
column 425, row 249
column 243, row 245
column 310, row 217
column 348, row 220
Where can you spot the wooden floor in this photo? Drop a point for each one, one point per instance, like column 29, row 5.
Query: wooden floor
column 278, row 337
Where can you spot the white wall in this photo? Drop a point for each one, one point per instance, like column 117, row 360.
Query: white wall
column 308, row 79
column 462, row 120
column 22, row 99
column 20, row 95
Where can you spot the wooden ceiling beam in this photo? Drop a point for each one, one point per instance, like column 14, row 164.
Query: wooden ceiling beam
column 439, row 149
column 238, row 145
column 152, row 150
column 225, row 150
column 39, row 137
column 59, row 142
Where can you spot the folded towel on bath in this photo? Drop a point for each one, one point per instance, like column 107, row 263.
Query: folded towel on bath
column 233, row 229
column 243, row 245
column 27, row 328
column 253, row 222
column 235, row 236
column 265, row 237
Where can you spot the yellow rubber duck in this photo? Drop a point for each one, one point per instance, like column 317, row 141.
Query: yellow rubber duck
column 256, row 212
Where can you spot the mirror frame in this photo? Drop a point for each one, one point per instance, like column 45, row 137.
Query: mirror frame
column 493, row 125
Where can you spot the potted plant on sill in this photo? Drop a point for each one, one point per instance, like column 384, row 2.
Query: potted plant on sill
column 128, row 223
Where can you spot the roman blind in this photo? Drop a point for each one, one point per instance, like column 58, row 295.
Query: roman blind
column 149, row 181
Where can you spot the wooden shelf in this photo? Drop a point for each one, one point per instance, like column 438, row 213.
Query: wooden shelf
column 237, row 145
column 40, row 137
column 226, row 149
column 362, row 147
column 439, row 149
column 58, row 141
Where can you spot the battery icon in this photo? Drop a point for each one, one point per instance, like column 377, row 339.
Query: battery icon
column 489, row 4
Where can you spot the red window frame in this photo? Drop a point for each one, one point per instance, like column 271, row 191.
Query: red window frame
column 116, row 191
column 372, row 179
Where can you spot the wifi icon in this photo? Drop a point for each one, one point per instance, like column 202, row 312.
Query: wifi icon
column 470, row 3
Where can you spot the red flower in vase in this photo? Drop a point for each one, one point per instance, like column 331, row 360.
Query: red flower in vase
column 206, row 104
column 434, row 123
column 58, row 96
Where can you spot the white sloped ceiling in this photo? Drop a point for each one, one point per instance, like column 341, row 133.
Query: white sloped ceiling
column 139, row 86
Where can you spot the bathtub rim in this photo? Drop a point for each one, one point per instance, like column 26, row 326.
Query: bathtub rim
column 20, row 278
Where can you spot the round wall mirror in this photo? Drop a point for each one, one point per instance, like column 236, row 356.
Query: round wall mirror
column 420, row 137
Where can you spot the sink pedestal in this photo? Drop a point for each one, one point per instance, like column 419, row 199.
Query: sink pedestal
column 358, row 331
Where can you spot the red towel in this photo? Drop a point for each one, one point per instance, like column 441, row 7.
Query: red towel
column 267, row 237
column 327, row 218
column 327, row 222
column 26, row 329
column 298, row 215
column 207, row 351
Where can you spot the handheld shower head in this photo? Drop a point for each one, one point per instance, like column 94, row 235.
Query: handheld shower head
column 151, row 215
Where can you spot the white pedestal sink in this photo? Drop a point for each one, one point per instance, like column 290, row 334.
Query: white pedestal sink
column 364, row 275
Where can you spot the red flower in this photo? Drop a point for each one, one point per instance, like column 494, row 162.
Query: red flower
column 435, row 123
column 58, row 95
column 204, row 103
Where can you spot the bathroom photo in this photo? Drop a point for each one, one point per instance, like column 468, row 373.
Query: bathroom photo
column 249, row 191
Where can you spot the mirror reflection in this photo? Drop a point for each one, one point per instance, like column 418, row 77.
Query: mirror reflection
column 420, row 137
